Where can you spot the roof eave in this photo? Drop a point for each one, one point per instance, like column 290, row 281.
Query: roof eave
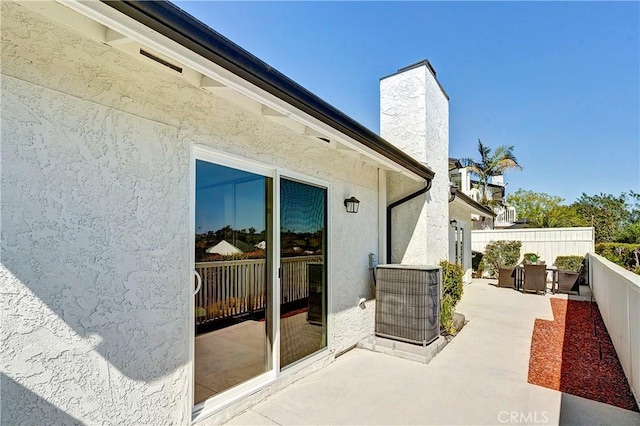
column 483, row 210
column 175, row 24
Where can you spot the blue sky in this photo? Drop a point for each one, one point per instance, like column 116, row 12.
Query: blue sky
column 558, row 80
column 226, row 196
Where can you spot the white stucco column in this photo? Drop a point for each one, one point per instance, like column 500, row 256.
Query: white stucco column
column 414, row 116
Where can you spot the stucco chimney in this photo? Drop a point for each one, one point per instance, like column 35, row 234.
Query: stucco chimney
column 414, row 116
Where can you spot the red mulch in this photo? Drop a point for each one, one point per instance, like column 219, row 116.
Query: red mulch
column 565, row 356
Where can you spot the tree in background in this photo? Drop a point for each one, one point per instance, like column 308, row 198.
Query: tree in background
column 540, row 210
column 630, row 232
column 608, row 213
column 615, row 219
column 490, row 164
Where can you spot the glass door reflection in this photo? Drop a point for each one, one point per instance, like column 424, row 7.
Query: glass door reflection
column 303, row 280
column 232, row 255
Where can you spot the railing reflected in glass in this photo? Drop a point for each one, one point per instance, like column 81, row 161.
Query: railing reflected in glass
column 234, row 256
column 303, row 282
column 232, row 321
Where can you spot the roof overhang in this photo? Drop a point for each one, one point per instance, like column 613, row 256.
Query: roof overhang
column 464, row 201
column 454, row 164
column 212, row 62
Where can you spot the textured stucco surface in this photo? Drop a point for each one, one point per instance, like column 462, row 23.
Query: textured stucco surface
column 95, row 226
column 408, row 221
column 91, row 271
column 414, row 116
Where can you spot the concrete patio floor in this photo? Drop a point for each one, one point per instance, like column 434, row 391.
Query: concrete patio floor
column 480, row 377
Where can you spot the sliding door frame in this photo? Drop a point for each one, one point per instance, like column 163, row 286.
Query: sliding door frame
column 235, row 394
column 307, row 180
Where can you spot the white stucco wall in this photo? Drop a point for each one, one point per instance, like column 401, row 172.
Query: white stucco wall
column 408, row 221
column 414, row 116
column 95, row 227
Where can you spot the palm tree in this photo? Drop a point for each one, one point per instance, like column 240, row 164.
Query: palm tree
column 490, row 164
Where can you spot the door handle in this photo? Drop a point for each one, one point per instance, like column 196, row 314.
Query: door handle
column 199, row 278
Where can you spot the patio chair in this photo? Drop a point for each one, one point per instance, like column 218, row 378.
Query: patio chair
column 535, row 278
column 569, row 281
column 507, row 277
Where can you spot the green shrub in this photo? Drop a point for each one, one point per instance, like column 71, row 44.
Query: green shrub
column 452, row 274
column 447, row 309
column 569, row 263
column 482, row 266
column 476, row 259
column 625, row 255
column 501, row 254
column 452, row 289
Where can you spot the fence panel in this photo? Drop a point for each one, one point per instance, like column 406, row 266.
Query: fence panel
column 548, row 243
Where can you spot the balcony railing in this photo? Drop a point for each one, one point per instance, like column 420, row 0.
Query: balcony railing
column 505, row 217
column 236, row 288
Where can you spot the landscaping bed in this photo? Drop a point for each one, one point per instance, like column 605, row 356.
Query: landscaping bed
column 574, row 354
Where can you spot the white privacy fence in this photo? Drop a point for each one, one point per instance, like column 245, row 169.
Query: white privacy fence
column 548, row 243
column 617, row 292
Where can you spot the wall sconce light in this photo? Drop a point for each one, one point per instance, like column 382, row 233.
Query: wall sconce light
column 352, row 204
column 453, row 223
column 452, row 192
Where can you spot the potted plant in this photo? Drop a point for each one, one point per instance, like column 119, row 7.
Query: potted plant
column 569, row 263
column 501, row 257
column 531, row 259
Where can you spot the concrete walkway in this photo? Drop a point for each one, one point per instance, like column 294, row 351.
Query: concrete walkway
column 479, row 378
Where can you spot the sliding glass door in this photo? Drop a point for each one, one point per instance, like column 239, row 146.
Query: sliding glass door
column 233, row 260
column 244, row 282
column 303, row 274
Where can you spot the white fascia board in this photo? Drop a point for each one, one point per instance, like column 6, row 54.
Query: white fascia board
column 471, row 209
column 130, row 28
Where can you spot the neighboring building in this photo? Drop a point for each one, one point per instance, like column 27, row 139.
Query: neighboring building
column 224, row 248
column 462, row 211
column 132, row 135
column 465, row 214
column 460, row 177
